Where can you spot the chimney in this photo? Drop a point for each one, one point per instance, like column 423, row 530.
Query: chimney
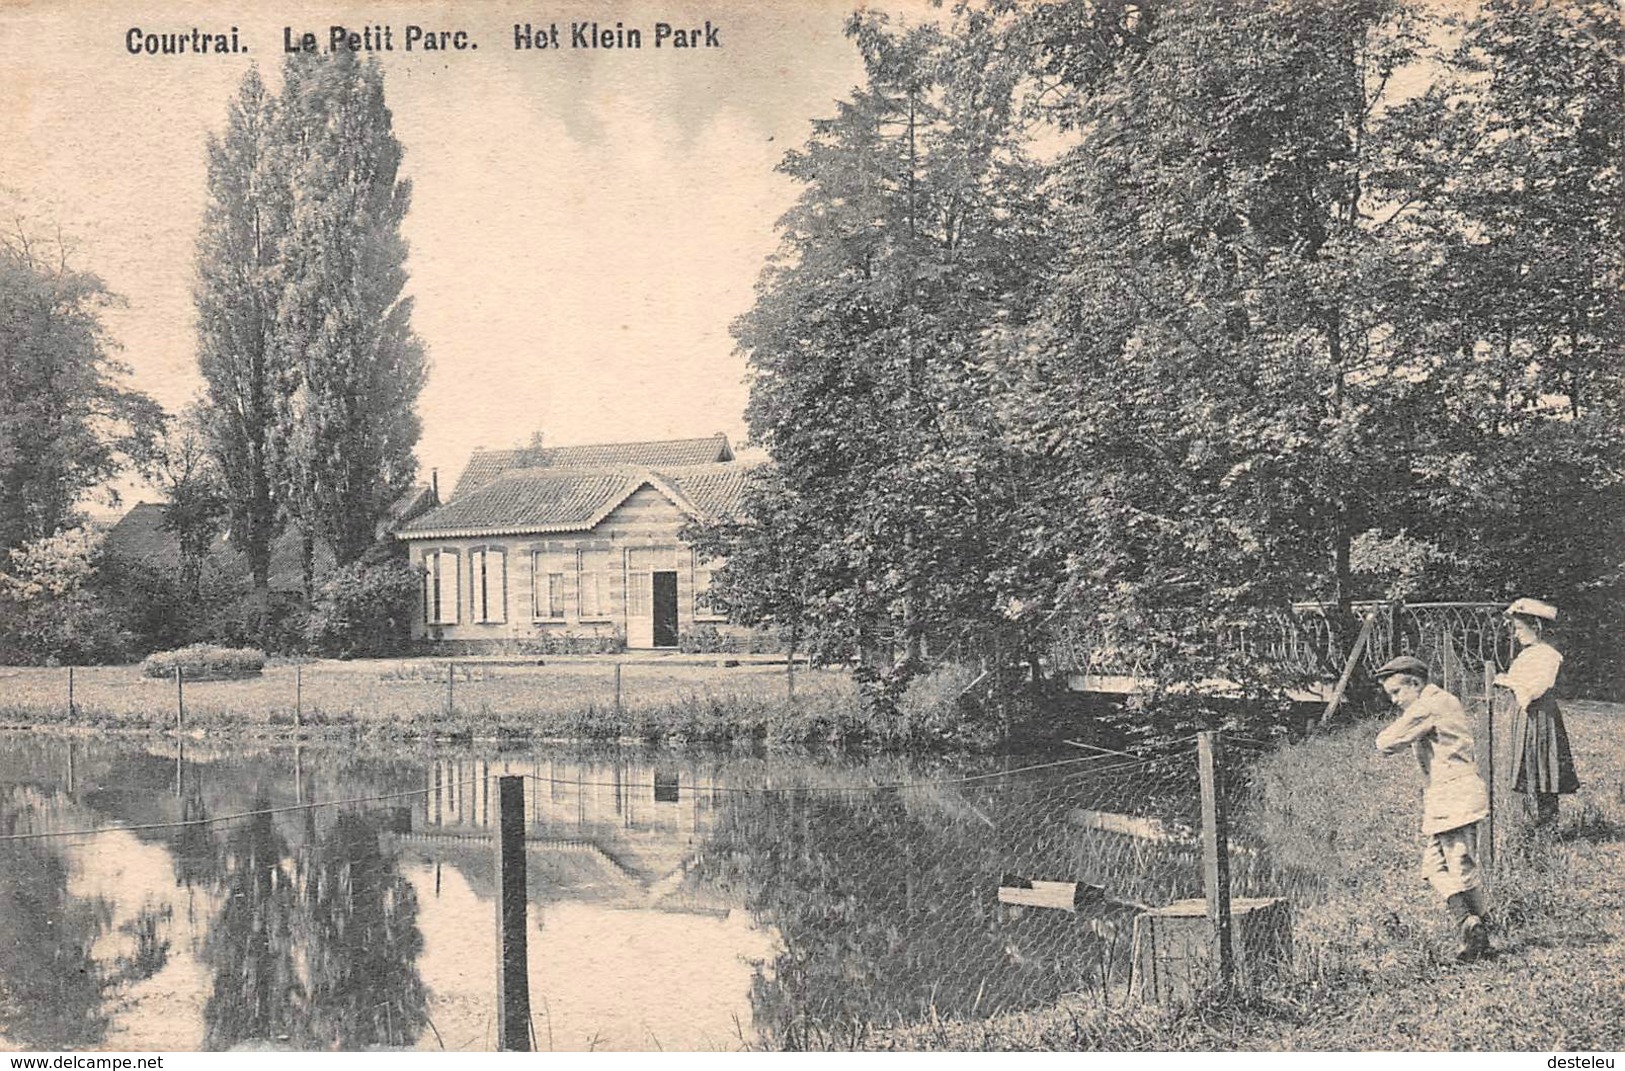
column 434, row 485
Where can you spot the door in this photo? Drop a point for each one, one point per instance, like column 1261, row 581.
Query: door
column 639, row 611
column 665, row 609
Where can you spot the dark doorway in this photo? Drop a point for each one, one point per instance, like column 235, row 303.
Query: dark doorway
column 665, row 609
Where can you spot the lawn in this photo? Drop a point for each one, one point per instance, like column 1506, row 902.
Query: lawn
column 413, row 696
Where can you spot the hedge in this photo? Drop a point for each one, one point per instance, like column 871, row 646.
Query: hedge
column 205, row 662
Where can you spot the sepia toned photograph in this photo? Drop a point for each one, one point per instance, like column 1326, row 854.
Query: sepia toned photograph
column 808, row 525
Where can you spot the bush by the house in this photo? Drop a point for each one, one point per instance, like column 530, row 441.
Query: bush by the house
column 599, row 641
column 364, row 609
column 205, row 662
column 706, row 639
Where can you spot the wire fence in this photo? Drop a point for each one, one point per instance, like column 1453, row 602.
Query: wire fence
column 408, row 692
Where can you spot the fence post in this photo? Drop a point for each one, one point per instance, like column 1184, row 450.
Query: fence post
column 180, row 700
column 513, row 983
column 70, row 691
column 451, row 683
column 618, row 706
column 1489, row 765
column 298, row 693
column 1216, row 851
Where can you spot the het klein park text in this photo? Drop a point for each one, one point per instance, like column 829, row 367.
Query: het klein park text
column 139, row 41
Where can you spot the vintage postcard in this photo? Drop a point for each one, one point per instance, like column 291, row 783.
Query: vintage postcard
column 994, row 525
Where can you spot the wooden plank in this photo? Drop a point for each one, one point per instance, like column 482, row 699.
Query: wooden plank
column 1348, row 668
column 1060, row 895
column 1128, row 825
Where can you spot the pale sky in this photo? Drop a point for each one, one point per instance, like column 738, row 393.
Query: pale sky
column 585, row 223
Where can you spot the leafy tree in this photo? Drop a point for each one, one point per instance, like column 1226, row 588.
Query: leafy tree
column 67, row 424
column 348, row 423
column 1527, row 279
column 240, row 277
column 902, row 247
column 1215, row 359
column 49, row 607
column 195, row 505
column 364, row 609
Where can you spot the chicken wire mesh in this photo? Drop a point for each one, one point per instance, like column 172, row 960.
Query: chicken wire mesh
column 944, row 898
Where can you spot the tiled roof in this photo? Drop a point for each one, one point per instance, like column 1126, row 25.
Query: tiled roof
column 575, row 499
column 714, row 490
column 486, row 465
column 141, row 534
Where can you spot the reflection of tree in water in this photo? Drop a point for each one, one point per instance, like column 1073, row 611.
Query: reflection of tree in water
column 195, row 845
column 321, row 953
column 50, row 987
column 362, row 942
column 887, row 916
column 250, row 946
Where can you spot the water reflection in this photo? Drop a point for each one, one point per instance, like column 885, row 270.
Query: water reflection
column 50, row 985
column 256, row 992
column 678, row 901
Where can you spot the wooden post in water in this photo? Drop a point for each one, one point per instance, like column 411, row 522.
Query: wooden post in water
column 513, row 982
column 1488, row 849
column 618, row 706
column 298, row 693
column 70, row 691
column 1216, row 852
column 180, row 700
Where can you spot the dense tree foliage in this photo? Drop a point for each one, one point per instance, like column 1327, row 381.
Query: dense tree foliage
column 239, row 284
column 306, row 343
column 67, row 423
column 1158, row 317
column 349, row 422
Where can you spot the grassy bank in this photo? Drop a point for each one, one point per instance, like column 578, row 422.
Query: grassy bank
column 1373, row 965
column 671, row 701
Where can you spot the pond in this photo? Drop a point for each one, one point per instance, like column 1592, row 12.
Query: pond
column 343, row 896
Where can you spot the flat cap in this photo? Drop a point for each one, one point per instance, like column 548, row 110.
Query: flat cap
column 1533, row 608
column 1403, row 664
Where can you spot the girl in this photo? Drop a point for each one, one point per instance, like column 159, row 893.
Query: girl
column 1542, row 764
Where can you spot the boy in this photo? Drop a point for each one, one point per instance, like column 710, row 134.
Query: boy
column 1434, row 724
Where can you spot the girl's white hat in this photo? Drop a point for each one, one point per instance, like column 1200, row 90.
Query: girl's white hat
column 1533, row 608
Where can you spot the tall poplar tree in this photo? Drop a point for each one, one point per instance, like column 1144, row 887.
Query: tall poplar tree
column 349, row 423
column 305, row 339
column 239, row 286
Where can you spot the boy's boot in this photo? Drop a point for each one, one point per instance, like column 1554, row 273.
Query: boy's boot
column 1546, row 810
column 1469, row 927
column 1478, row 903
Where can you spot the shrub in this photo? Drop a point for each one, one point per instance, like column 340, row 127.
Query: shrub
column 939, row 705
column 50, row 611
column 599, row 641
column 204, row 661
column 364, row 609
column 705, row 639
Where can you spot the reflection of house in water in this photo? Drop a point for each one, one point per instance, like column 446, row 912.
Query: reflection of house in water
column 620, row 834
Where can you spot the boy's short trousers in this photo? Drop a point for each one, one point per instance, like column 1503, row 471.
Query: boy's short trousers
column 1450, row 860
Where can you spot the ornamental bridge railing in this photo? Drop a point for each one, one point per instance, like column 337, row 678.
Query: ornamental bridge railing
column 1454, row 638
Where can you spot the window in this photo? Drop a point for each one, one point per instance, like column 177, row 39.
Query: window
column 548, row 585
column 555, row 595
column 594, row 582
column 440, row 587
column 488, row 585
column 707, row 604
